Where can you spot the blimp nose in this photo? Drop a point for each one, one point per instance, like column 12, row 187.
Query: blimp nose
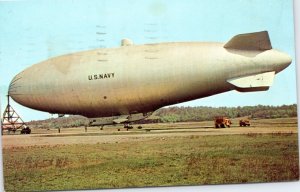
column 17, row 87
column 20, row 89
column 14, row 86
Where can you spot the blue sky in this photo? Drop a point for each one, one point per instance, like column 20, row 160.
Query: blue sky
column 33, row 31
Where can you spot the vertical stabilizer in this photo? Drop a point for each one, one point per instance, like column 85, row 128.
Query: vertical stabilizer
column 250, row 41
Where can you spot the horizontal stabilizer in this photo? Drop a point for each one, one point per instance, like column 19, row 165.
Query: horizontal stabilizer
column 259, row 82
column 250, row 41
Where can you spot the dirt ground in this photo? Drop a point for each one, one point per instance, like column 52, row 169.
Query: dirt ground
column 110, row 134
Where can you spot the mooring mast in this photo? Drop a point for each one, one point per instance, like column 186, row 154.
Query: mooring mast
column 11, row 121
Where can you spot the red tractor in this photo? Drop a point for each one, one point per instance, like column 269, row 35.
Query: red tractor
column 222, row 122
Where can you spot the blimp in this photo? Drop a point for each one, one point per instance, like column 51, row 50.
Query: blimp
column 128, row 83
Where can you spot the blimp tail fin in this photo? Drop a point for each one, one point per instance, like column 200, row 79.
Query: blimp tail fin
column 250, row 41
column 258, row 82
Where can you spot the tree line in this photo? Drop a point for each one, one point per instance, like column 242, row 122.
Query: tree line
column 183, row 114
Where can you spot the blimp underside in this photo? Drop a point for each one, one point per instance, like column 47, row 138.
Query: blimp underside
column 128, row 83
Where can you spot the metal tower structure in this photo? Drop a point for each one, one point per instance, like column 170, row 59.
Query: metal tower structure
column 11, row 121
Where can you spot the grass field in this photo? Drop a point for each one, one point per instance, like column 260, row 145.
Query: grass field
column 156, row 161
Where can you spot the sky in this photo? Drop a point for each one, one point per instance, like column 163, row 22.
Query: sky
column 34, row 31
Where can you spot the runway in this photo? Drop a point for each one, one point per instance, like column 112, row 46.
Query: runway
column 70, row 136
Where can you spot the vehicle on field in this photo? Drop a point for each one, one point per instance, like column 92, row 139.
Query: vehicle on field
column 244, row 122
column 128, row 126
column 26, row 130
column 222, row 122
